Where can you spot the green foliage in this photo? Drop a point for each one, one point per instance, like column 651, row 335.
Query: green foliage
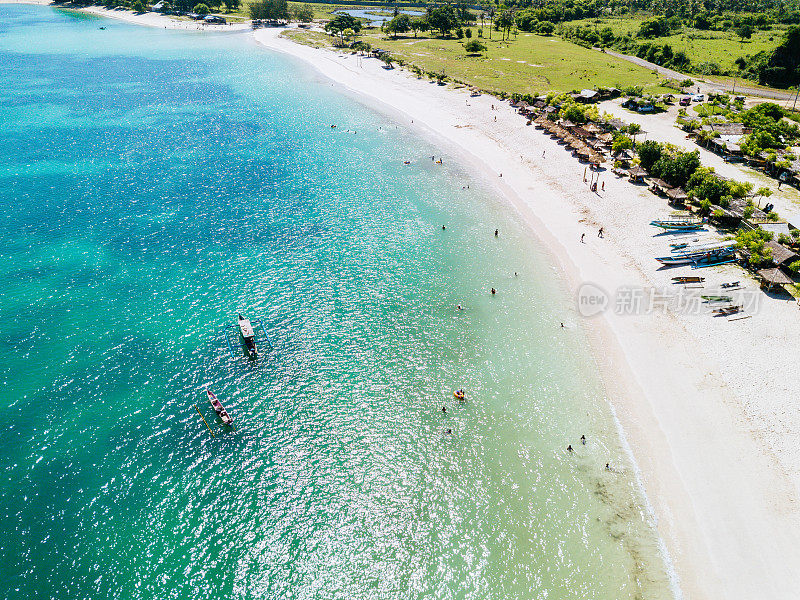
column 676, row 167
column 545, row 28
column 657, row 27
column 573, row 112
column 744, row 31
column 419, row 24
column 474, row 47
column 621, row 142
column 399, row 24
column 139, row 7
column 468, row 33
column 443, row 19
column 754, row 242
column 200, row 9
column 304, row 13
column 795, row 266
column 339, row 24
column 649, row 153
column 272, row 10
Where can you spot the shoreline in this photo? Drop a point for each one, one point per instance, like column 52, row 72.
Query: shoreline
column 719, row 470
column 727, row 521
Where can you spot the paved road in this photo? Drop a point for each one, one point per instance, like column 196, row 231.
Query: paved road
column 706, row 85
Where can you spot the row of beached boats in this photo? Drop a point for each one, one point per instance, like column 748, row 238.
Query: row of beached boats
column 699, row 253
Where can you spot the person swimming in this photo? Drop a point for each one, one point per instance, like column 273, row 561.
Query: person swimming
column 494, row 291
column 459, row 307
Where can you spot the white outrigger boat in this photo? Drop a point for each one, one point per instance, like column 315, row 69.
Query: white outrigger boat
column 219, row 409
column 248, row 336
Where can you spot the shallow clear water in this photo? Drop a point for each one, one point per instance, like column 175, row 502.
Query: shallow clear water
column 152, row 185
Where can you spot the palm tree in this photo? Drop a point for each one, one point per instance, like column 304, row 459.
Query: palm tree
column 634, row 129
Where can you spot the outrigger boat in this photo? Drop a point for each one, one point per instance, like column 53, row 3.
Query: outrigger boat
column 717, row 298
column 692, row 248
column 219, row 409
column 688, row 279
column 696, row 257
column 682, row 224
column 732, row 284
column 727, row 310
column 248, row 336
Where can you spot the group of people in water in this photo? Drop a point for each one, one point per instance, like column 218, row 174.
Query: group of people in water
column 570, row 449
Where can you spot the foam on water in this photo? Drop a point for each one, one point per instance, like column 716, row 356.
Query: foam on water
column 155, row 184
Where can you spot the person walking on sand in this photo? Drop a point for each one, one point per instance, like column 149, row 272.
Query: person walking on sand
column 583, row 235
column 496, row 232
column 603, row 186
column 543, row 151
column 583, row 440
column 600, row 233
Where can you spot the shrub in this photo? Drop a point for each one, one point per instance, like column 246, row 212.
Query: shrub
column 200, row 9
column 474, row 47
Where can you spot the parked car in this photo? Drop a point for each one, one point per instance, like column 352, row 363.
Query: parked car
column 698, row 98
column 685, row 101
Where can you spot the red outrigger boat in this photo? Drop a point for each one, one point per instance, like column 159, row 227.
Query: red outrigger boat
column 219, row 409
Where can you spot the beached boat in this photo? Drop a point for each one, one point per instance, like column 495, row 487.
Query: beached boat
column 218, row 408
column 687, row 224
column 688, row 279
column 731, row 284
column 727, row 310
column 697, row 257
column 248, row 336
column 713, row 298
column 689, row 248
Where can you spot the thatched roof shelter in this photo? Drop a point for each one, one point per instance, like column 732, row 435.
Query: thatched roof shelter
column 606, row 138
column 637, row 172
column 773, row 277
column 596, row 158
column 592, row 128
column 676, row 194
column 781, row 255
column 660, row 183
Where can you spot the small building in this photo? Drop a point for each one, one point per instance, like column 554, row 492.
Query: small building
column 772, row 278
column 781, row 255
column 637, row 174
column 677, row 196
column 587, row 96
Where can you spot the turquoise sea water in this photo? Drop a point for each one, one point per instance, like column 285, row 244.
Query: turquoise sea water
column 152, row 185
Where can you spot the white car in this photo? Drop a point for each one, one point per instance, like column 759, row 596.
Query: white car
column 698, row 98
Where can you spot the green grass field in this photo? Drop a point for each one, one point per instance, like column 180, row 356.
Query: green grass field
column 530, row 64
column 720, row 47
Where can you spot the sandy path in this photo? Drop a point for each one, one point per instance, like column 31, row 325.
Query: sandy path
column 661, row 127
column 697, row 395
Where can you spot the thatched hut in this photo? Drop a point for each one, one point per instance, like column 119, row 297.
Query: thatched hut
column 771, row 278
column 637, row 174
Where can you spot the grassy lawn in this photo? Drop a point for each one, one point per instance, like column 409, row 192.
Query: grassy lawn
column 530, row 64
column 720, row 47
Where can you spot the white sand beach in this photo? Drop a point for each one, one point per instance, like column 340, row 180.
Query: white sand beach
column 706, row 403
